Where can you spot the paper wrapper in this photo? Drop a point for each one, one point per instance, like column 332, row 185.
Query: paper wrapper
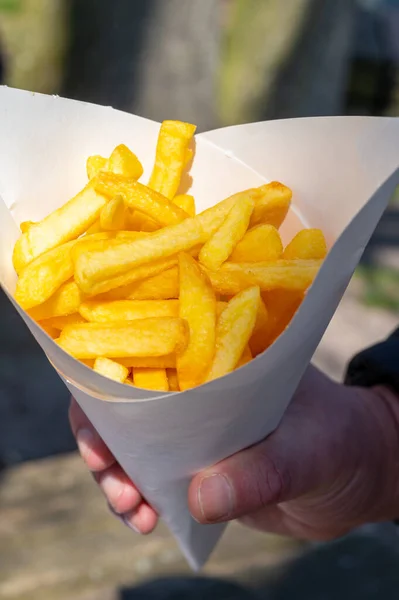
column 342, row 172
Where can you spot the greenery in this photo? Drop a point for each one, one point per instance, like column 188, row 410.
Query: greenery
column 10, row 5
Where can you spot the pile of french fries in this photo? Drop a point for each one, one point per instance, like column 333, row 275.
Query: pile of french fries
column 129, row 280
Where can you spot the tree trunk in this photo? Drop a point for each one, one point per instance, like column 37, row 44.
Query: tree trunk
column 156, row 58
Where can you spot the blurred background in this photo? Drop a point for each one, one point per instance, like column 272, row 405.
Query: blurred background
column 215, row 63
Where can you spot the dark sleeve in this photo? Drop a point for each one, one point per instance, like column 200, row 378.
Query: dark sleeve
column 377, row 365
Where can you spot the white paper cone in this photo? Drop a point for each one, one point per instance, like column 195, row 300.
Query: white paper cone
column 342, row 171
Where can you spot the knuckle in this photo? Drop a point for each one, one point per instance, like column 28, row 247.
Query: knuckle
column 272, row 481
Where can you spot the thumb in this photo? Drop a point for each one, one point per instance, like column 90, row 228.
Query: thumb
column 293, row 461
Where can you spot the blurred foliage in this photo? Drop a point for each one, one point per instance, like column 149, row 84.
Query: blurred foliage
column 10, row 5
column 380, row 287
column 33, row 35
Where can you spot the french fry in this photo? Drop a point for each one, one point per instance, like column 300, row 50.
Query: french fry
column 124, row 162
column 259, row 244
column 88, row 362
column 188, row 157
column 139, row 197
column 246, row 357
column 173, row 380
column 126, row 234
column 212, row 218
column 307, row 244
column 163, row 286
column 117, row 258
column 197, row 305
column 95, row 164
column 143, row 337
column 122, row 282
column 41, row 278
column 50, row 330
column 25, row 225
column 272, row 202
column 171, row 157
column 95, row 228
column 281, row 307
column 61, row 322
column 233, row 332
column 186, row 202
column 259, row 339
column 61, row 226
column 113, row 215
column 111, row 369
column 149, row 362
column 138, row 221
column 65, row 301
column 232, row 278
column 151, row 379
column 127, row 310
column 219, row 247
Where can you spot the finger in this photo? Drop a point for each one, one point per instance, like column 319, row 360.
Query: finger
column 119, row 490
column 91, row 447
column 286, row 465
column 269, row 520
column 142, row 520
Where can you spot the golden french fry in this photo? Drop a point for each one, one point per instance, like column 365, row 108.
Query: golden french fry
column 149, row 362
column 163, row 286
column 127, row 310
column 272, row 202
column 118, row 256
column 129, row 235
column 212, row 218
column 124, row 162
column 61, row 226
column 246, row 357
column 259, row 244
column 42, row 277
column 281, row 307
column 171, row 157
column 89, row 362
column 139, row 197
column 219, row 247
column 151, row 379
column 186, row 202
column 233, row 331
column 65, row 301
column 232, row 278
column 95, row 164
column 143, row 337
column 113, row 214
column 188, row 157
column 197, row 305
column 53, row 332
column 111, row 369
column 95, row 228
column 25, row 225
column 123, row 282
column 258, row 341
column 173, row 380
column 138, row 221
column 307, row 244
column 61, row 322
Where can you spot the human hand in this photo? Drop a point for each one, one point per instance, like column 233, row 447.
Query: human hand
column 331, row 465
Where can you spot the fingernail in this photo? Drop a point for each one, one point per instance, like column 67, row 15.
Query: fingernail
column 85, row 441
column 112, row 488
column 215, row 497
column 130, row 524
